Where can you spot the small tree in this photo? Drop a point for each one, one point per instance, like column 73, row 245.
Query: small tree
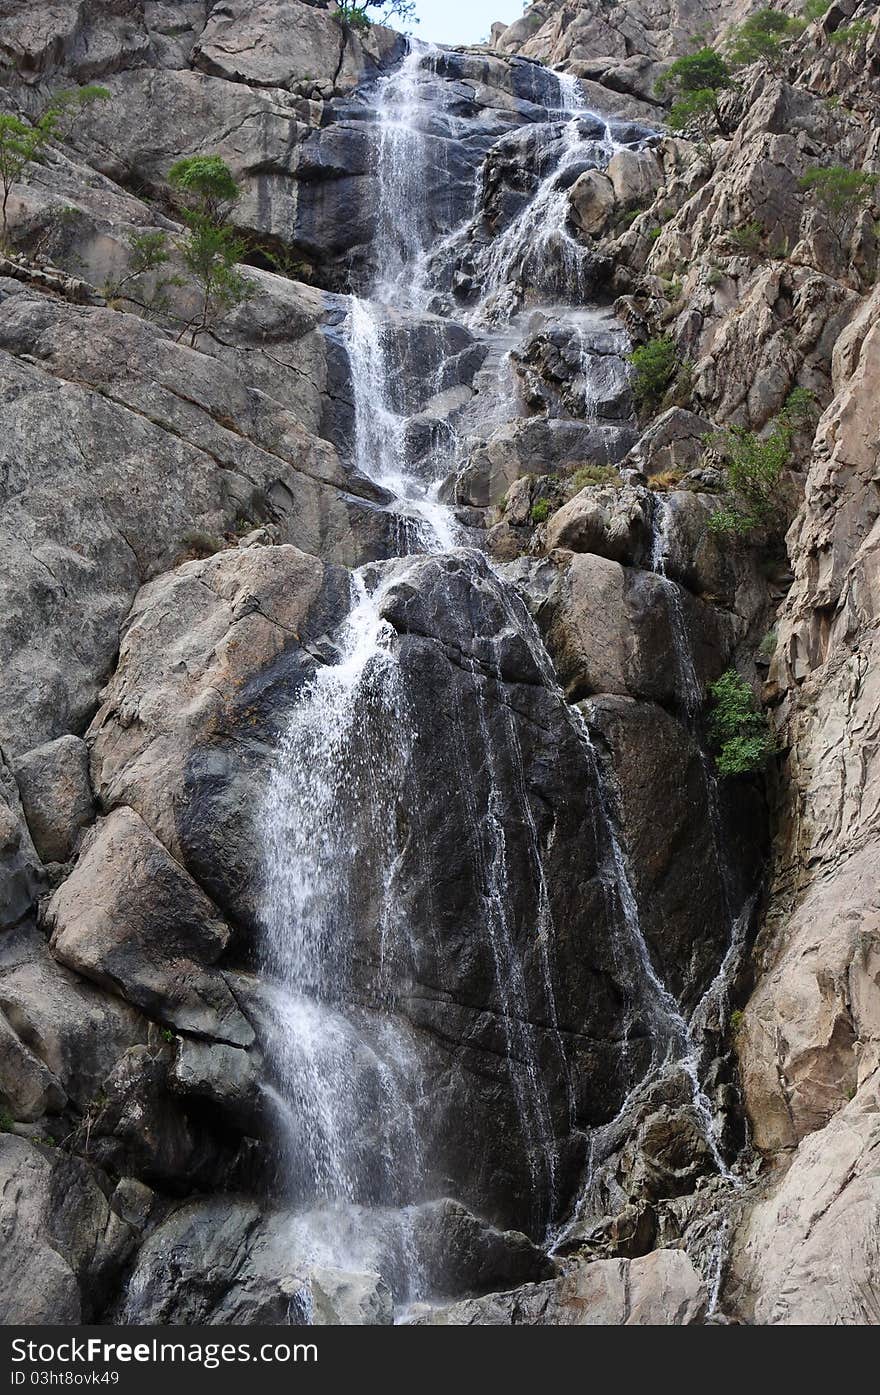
column 145, row 283
column 23, row 142
column 763, row 38
column 355, row 13
column 738, row 729
column 211, row 251
column 205, row 188
column 754, row 468
column 840, row 190
column 695, row 82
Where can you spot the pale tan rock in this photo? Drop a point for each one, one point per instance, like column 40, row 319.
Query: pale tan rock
column 193, row 638
column 592, row 202
column 809, row 1253
column 612, row 522
column 661, row 1289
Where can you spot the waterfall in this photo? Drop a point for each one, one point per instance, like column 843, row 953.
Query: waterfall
column 339, row 822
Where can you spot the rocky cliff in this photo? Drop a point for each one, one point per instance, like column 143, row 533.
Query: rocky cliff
column 377, row 921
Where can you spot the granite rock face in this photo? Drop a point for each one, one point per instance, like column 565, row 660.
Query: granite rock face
column 179, row 525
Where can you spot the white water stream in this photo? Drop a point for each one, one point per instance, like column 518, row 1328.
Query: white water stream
column 347, row 1076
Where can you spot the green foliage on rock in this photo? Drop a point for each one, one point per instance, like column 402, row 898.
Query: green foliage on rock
column 840, row 190
column 852, row 34
column 586, row 475
column 205, row 186
column 738, row 729
column 815, row 9
column 695, row 82
column 754, row 467
column 212, row 251
column 541, row 511
column 747, row 237
column 696, row 72
column 763, row 38
column 659, row 373
column 22, row 142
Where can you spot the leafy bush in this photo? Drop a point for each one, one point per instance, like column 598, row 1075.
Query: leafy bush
column 763, row 38
column 747, row 238
column 738, row 729
column 143, row 283
column 22, row 143
column 540, row 511
column 754, row 467
column 660, row 373
column 738, row 1016
column 849, row 35
column 696, row 72
column 815, row 9
column 200, row 543
column 354, row 13
column 839, row 189
column 212, row 251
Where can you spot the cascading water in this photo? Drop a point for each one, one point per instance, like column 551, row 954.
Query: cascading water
column 338, row 816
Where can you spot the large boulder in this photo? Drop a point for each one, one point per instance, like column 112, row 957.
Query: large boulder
column 63, row 1246
column 661, row 1290
column 610, row 521
column 807, row 1253
column 129, row 918
column 62, row 1035
column 285, row 43
column 241, row 1264
column 53, row 781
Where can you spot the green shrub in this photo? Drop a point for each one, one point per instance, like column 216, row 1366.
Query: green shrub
column 849, row 35
column 540, row 511
column 200, row 543
column 839, row 189
column 696, row 72
column 767, row 647
column 144, row 283
column 754, row 467
column 737, row 1016
column 738, row 729
column 746, row 238
column 763, row 38
column 212, row 251
column 659, row 372
column 586, row 475
column 815, row 9
column 353, row 14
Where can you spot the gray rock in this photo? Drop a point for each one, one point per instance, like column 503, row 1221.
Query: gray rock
column 63, row 1247
column 661, row 1290
column 56, row 795
column 609, row 521
column 130, row 919
column 21, row 875
column 69, row 1033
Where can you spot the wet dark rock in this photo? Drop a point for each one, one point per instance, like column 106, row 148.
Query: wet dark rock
column 63, row 1245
